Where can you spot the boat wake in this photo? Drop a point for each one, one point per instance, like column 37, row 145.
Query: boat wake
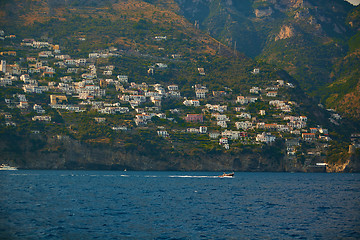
column 190, row 176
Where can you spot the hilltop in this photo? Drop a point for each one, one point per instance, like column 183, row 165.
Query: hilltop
column 127, row 24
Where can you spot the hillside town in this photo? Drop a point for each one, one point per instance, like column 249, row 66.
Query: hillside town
column 79, row 85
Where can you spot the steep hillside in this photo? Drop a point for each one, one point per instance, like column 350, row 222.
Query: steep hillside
column 129, row 24
column 305, row 37
column 343, row 94
column 140, row 85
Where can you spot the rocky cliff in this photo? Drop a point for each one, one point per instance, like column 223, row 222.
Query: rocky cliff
column 39, row 152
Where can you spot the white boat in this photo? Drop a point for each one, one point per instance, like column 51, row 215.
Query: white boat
column 227, row 175
column 4, row 167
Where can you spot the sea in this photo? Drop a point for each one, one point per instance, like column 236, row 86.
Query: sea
column 42, row 204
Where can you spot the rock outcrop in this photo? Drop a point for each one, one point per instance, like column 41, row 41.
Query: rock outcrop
column 285, row 32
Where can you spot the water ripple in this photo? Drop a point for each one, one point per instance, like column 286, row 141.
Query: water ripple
column 177, row 205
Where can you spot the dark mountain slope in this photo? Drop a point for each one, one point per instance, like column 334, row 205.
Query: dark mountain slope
column 308, row 38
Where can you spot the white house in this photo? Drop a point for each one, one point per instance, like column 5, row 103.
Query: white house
column 3, row 66
column 223, row 140
column 243, row 125
column 173, row 87
column 220, row 117
column 218, row 108
column 70, row 62
column 201, row 71
column 265, row 138
column 245, row 100
column 244, row 115
column 214, row 135
column 323, row 131
column 81, row 61
column 192, row 130
column 163, row 133
column 280, row 82
column 42, row 118
column 174, row 94
column 195, row 103
column 201, row 93
column 32, row 89
column 38, row 109
column 160, row 37
column 303, row 118
column 161, row 65
column 94, row 55
column 203, row 129
column 222, row 124
column 256, row 71
column 255, row 90
column 232, row 135
column 140, row 98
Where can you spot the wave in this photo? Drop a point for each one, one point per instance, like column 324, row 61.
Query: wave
column 191, row 176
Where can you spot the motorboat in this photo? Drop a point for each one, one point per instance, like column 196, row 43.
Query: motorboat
column 227, row 175
column 4, row 167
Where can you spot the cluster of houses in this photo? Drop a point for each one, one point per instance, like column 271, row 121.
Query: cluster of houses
column 222, row 123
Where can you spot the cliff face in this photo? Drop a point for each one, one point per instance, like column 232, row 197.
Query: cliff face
column 64, row 153
column 54, row 153
column 285, row 32
column 352, row 164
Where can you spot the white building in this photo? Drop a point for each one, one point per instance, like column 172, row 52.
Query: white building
column 232, row 135
column 265, row 138
column 37, row 108
column 223, row 140
column 163, row 133
column 122, row 78
column 203, row 129
column 3, row 66
column 173, row 87
column 255, row 90
column 42, row 118
column 214, row 135
column 220, row 117
column 222, row 124
column 244, row 125
column 244, row 115
column 201, row 93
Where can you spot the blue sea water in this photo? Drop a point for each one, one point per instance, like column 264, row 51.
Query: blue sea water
column 178, row 205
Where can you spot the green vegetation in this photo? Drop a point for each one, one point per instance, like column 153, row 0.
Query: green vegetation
column 354, row 42
column 141, row 37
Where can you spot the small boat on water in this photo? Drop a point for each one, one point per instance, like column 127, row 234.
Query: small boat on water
column 227, row 175
column 4, row 167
